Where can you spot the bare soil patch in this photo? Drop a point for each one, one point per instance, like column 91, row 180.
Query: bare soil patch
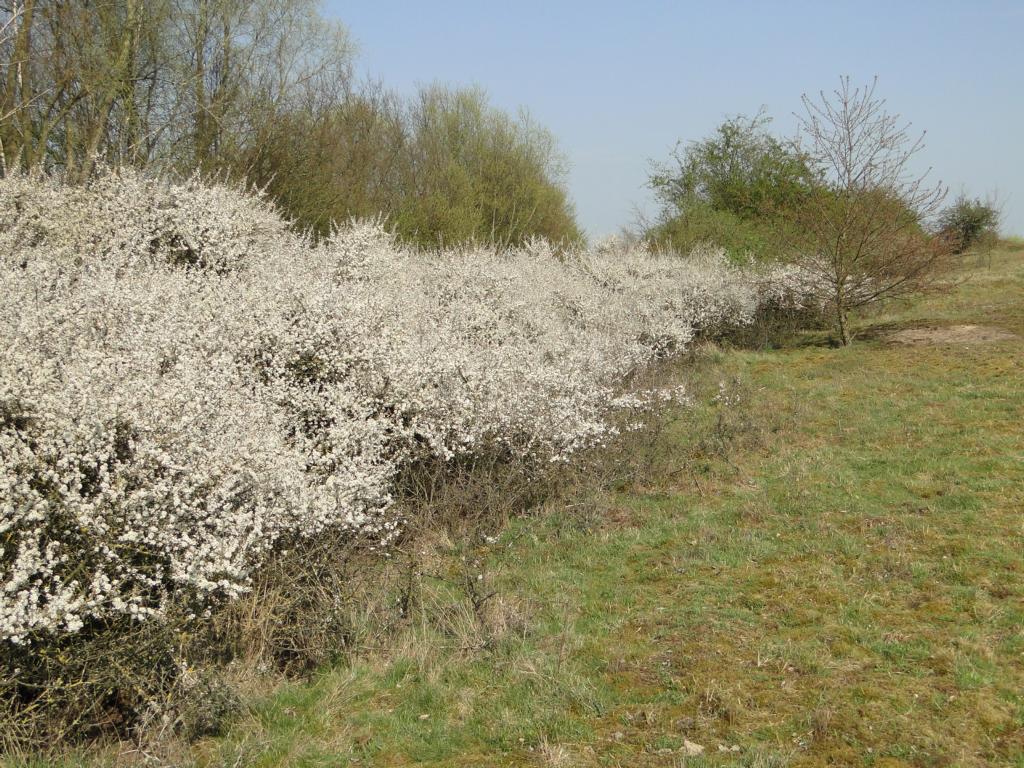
column 953, row 334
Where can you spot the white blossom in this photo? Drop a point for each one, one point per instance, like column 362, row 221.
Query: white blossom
column 186, row 384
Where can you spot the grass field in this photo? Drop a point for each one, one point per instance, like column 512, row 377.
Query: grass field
column 823, row 567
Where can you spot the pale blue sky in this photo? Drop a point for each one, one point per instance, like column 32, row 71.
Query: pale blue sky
column 619, row 82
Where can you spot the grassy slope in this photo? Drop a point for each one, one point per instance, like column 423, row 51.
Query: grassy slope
column 845, row 589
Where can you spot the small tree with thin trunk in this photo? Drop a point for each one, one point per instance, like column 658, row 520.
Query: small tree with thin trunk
column 861, row 236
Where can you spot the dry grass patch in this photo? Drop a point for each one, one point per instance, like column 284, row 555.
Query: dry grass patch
column 954, row 334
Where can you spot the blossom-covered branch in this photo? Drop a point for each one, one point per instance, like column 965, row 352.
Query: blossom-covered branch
column 185, row 383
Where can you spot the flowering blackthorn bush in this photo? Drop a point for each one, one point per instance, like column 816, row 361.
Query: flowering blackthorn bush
column 186, row 384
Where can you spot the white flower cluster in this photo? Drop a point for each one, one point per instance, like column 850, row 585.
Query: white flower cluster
column 185, row 383
column 800, row 286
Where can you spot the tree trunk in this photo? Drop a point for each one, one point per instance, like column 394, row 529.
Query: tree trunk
column 120, row 76
column 201, row 138
column 844, row 333
column 16, row 120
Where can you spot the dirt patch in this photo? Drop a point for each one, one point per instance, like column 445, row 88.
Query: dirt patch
column 953, row 334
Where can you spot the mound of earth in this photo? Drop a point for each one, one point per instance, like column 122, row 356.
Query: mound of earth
column 953, row 334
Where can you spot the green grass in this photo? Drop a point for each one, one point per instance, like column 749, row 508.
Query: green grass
column 844, row 586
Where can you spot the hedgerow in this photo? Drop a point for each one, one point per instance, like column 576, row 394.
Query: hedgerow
column 188, row 387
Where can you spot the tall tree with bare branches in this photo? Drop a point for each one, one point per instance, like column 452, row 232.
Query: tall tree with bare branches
column 862, row 235
column 264, row 92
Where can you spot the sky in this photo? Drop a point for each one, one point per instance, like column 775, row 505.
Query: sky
column 619, row 83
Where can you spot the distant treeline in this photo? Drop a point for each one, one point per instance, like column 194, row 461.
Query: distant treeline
column 264, row 91
column 759, row 195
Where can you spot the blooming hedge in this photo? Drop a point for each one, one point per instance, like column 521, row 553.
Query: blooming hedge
column 185, row 383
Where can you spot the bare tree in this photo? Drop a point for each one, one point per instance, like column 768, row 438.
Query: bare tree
column 177, row 83
column 861, row 235
column 263, row 92
column 75, row 75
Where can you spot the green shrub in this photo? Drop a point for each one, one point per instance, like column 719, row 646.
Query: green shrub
column 444, row 169
column 742, row 239
column 969, row 223
column 730, row 189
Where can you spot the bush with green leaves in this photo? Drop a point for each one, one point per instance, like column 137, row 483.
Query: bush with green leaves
column 700, row 223
column 969, row 223
column 730, row 189
column 444, row 168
